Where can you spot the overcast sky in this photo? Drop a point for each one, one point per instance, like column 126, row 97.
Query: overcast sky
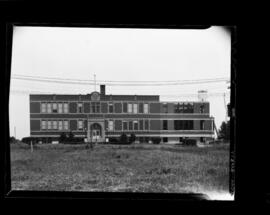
column 118, row 55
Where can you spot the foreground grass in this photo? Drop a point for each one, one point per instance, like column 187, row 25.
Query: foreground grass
column 128, row 168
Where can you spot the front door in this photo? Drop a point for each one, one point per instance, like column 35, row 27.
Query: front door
column 96, row 135
column 96, row 132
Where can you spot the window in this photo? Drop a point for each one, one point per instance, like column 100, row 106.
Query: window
column 165, row 139
column 60, row 125
column 145, row 108
column 80, row 106
column 190, row 108
column 110, row 107
column 60, row 108
column 183, row 124
column 141, row 108
column 110, row 125
column 98, row 107
column 54, row 108
column 146, row 124
column 54, row 124
column 65, row 107
column 129, row 108
column 125, row 125
column 95, row 107
column 43, row 124
column 201, row 124
column 43, row 107
column 124, row 107
column 135, row 125
column 165, row 124
column 49, row 107
column 178, row 108
column 141, row 124
column 135, row 108
column 201, row 108
column 49, row 123
column 130, row 125
column 65, row 125
column 80, row 125
column 165, row 108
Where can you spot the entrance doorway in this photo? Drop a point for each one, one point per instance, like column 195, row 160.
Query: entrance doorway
column 96, row 132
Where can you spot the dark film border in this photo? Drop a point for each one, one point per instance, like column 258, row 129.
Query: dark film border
column 8, row 29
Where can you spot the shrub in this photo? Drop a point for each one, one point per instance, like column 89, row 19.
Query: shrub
column 28, row 140
column 113, row 140
column 132, row 138
column 63, row 137
column 156, row 140
column 12, row 140
column 190, row 142
column 123, row 138
column 70, row 137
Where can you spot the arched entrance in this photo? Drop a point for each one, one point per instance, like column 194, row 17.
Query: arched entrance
column 96, row 132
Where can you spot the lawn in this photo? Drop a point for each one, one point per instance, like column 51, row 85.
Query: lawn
column 122, row 168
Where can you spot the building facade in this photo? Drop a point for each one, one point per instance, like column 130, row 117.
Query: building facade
column 101, row 117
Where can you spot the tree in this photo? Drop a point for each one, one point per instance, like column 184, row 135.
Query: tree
column 224, row 131
column 12, row 140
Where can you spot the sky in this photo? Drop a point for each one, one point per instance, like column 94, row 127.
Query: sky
column 118, row 54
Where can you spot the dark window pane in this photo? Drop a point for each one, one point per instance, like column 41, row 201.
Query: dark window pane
column 165, row 124
column 141, row 124
column 141, row 108
column 125, row 107
column 130, row 125
column 146, row 125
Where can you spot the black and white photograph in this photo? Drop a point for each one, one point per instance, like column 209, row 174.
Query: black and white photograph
column 121, row 109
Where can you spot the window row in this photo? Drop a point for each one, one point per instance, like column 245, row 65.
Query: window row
column 95, row 107
column 128, row 125
column 54, row 108
column 55, row 125
column 183, row 108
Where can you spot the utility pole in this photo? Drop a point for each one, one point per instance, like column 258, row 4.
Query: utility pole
column 225, row 107
column 15, row 132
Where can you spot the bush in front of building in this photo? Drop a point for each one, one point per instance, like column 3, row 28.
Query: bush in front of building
column 12, row 140
column 28, row 140
column 190, row 142
column 156, row 140
column 63, row 137
column 123, row 139
column 132, row 138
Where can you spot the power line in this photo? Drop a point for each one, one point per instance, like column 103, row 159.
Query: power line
column 187, row 82
column 109, row 81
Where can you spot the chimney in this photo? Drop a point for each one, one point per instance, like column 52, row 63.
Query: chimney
column 102, row 90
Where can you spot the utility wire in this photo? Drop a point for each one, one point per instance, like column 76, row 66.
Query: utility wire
column 83, row 80
column 187, row 82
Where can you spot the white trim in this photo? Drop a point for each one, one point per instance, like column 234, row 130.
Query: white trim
column 145, row 101
column 137, row 135
column 134, row 113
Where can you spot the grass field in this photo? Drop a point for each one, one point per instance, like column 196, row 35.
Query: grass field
column 131, row 168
